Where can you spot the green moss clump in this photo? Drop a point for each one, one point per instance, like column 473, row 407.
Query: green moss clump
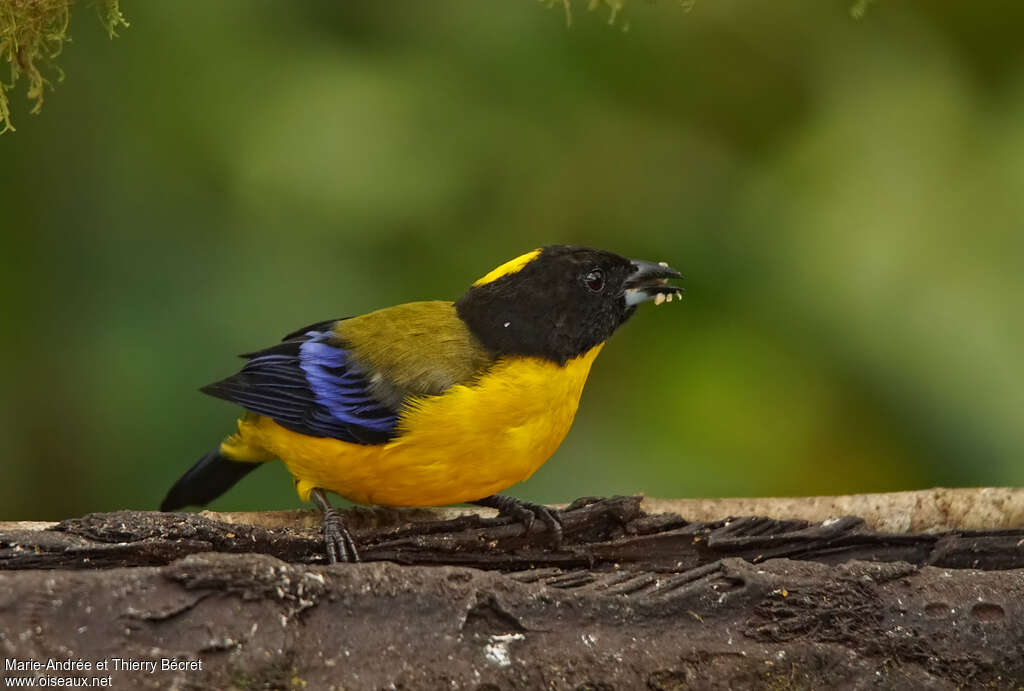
column 32, row 35
column 613, row 6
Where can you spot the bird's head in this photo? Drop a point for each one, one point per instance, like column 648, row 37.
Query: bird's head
column 559, row 302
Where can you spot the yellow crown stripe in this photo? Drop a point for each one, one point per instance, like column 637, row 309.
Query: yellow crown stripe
column 509, row 267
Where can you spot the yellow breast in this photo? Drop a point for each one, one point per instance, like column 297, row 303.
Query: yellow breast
column 471, row 442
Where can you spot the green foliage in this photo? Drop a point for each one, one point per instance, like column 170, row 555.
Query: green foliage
column 32, row 36
column 843, row 198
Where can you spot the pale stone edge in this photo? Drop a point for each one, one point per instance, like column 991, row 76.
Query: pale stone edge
column 920, row 511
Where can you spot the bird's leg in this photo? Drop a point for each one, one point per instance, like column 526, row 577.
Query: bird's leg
column 525, row 512
column 340, row 545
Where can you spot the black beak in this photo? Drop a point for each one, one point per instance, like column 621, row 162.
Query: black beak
column 649, row 281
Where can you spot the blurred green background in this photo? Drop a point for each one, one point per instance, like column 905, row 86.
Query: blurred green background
column 845, row 199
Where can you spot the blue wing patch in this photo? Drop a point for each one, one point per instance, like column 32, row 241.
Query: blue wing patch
column 309, row 384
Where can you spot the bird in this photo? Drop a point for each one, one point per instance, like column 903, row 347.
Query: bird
column 430, row 403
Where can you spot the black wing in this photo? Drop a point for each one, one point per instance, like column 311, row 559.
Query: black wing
column 309, row 384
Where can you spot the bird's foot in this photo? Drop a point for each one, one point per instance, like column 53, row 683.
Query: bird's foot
column 340, row 545
column 526, row 512
column 337, row 540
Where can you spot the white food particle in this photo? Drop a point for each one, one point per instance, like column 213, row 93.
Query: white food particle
column 496, row 651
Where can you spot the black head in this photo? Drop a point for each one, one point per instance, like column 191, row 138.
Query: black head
column 559, row 302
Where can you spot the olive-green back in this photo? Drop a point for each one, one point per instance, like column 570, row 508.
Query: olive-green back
column 413, row 349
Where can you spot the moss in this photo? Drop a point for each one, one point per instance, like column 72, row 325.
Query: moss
column 860, row 8
column 32, row 36
column 614, row 7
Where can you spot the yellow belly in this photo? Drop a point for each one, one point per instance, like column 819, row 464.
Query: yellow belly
column 469, row 443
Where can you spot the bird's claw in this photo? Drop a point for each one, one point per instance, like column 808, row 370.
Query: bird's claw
column 526, row 513
column 552, row 518
column 339, row 544
column 338, row 541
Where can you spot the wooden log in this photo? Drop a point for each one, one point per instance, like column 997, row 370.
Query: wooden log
column 632, row 599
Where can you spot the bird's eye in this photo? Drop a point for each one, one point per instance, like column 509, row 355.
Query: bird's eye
column 595, row 280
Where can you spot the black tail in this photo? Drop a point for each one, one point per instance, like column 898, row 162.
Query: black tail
column 210, row 477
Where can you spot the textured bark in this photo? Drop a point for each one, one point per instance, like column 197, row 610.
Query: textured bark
column 632, row 600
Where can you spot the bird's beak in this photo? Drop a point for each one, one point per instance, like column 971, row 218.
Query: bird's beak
column 649, row 281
